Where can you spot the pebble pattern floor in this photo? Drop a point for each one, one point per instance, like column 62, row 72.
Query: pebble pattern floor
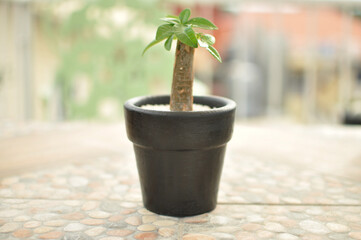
column 101, row 200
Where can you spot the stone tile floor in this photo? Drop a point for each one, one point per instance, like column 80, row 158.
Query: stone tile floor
column 258, row 199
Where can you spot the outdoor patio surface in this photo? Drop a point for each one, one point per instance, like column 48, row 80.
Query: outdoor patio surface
column 279, row 181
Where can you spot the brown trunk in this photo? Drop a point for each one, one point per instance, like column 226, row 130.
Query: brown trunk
column 181, row 98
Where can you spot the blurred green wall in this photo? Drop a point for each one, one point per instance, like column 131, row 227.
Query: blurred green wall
column 99, row 45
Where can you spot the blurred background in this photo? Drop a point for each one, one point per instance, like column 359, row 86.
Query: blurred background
column 67, row 60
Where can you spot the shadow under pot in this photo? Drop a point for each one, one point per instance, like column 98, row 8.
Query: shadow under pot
column 179, row 155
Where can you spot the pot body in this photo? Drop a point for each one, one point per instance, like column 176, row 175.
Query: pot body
column 179, row 154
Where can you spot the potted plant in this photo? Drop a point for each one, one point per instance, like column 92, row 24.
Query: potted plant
column 180, row 152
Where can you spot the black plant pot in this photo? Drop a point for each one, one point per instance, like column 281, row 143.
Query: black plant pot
column 351, row 118
column 179, row 154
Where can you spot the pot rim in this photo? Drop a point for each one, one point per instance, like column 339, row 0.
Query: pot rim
column 220, row 104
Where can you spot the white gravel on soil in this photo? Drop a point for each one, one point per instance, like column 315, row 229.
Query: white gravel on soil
column 165, row 107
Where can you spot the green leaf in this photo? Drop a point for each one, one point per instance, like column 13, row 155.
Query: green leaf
column 203, row 23
column 186, row 35
column 214, row 52
column 205, row 40
column 191, row 35
column 172, row 16
column 164, row 31
column 209, row 39
column 168, row 43
column 184, row 15
column 170, row 20
column 151, row 45
column 202, row 44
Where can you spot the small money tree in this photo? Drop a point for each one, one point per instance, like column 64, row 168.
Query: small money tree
column 181, row 28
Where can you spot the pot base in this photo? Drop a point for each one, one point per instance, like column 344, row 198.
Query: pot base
column 179, row 183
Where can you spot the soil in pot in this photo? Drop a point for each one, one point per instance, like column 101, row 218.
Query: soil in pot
column 166, row 107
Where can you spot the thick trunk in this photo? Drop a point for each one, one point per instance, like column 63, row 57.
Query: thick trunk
column 181, row 98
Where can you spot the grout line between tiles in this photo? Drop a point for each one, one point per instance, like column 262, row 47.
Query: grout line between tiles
column 291, row 204
column 219, row 203
column 180, row 230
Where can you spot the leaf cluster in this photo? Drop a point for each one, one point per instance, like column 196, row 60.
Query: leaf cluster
column 181, row 28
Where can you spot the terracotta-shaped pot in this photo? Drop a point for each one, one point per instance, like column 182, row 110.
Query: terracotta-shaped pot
column 179, row 154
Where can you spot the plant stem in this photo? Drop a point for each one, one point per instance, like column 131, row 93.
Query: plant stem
column 181, row 98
